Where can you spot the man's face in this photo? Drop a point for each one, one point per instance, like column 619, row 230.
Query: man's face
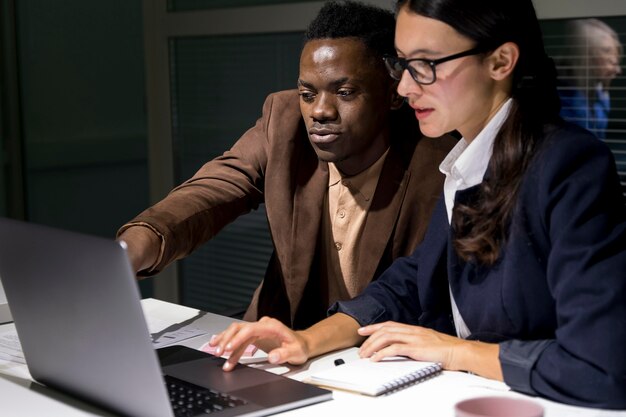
column 605, row 59
column 345, row 99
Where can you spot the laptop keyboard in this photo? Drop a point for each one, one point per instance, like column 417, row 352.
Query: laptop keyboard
column 191, row 400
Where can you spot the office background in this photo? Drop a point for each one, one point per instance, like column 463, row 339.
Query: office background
column 106, row 105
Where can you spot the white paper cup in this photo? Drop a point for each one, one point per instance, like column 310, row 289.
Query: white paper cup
column 498, row 407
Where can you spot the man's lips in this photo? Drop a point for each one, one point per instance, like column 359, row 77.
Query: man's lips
column 323, row 135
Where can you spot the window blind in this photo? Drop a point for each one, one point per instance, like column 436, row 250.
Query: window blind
column 218, row 85
column 592, row 84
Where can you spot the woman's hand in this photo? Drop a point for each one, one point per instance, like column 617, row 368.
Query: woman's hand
column 280, row 342
column 420, row 343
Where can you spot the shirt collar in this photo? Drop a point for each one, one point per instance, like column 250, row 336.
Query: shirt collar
column 364, row 182
column 468, row 162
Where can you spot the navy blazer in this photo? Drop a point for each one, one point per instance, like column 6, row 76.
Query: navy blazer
column 555, row 299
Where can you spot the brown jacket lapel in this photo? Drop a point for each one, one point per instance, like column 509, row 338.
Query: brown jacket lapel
column 382, row 216
column 308, row 205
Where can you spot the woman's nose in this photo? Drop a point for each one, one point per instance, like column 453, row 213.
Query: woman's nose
column 407, row 86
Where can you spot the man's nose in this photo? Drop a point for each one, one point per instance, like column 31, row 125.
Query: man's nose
column 325, row 107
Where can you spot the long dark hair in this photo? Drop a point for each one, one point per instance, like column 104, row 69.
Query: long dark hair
column 481, row 226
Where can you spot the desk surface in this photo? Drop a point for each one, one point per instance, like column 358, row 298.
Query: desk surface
column 20, row 396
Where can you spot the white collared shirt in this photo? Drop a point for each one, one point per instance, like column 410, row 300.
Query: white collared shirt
column 465, row 167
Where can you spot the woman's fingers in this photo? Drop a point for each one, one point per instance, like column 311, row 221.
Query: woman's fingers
column 419, row 343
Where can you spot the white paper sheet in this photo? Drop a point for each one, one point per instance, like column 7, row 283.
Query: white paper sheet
column 162, row 337
column 10, row 347
column 5, row 313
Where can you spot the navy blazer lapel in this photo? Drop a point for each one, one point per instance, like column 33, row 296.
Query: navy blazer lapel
column 432, row 281
column 462, row 274
column 456, row 265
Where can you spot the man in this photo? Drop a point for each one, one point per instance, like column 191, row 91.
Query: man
column 347, row 183
column 587, row 74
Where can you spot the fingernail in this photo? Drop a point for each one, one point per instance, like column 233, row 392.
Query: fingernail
column 272, row 358
column 218, row 350
column 229, row 346
column 227, row 366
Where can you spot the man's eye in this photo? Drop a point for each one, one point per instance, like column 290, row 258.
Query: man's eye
column 345, row 93
column 307, row 96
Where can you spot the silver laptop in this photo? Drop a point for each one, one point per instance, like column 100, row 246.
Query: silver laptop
column 77, row 311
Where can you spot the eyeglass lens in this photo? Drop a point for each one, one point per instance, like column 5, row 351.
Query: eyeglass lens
column 421, row 71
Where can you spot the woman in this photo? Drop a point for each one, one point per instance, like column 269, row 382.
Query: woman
column 525, row 257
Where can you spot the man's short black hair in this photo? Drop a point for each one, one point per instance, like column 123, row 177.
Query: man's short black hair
column 350, row 19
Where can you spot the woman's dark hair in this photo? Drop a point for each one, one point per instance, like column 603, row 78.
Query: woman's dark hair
column 481, row 226
column 373, row 25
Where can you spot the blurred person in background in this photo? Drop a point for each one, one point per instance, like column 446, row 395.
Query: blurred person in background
column 587, row 72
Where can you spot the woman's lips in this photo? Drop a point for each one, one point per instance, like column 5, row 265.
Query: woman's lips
column 422, row 112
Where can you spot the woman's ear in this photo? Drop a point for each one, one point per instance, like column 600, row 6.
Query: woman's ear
column 502, row 60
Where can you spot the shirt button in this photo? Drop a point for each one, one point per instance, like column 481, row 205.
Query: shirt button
column 342, row 213
column 338, row 245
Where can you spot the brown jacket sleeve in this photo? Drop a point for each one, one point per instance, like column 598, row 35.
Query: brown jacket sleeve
column 220, row 191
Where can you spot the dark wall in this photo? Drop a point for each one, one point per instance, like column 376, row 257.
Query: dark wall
column 82, row 96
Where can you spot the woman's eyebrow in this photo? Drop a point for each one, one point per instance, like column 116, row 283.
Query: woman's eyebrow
column 418, row 51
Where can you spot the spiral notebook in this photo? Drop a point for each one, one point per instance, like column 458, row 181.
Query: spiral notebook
column 375, row 378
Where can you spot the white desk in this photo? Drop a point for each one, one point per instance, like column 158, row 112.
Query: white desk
column 20, row 396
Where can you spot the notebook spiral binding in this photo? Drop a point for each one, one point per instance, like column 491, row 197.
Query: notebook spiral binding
column 412, row 378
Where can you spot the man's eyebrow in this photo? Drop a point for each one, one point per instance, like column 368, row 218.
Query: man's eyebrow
column 335, row 83
column 304, row 84
column 340, row 81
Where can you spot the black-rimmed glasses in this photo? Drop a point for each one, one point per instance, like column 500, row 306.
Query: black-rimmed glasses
column 422, row 70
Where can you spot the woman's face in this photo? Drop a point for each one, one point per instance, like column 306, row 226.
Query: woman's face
column 464, row 97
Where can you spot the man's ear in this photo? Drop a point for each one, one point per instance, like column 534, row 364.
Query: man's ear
column 502, row 60
column 396, row 99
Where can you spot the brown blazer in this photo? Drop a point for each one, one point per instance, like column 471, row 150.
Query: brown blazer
column 274, row 163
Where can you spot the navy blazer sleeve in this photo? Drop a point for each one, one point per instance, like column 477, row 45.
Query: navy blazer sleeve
column 393, row 296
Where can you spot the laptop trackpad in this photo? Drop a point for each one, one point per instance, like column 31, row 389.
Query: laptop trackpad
column 208, row 373
column 276, row 392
